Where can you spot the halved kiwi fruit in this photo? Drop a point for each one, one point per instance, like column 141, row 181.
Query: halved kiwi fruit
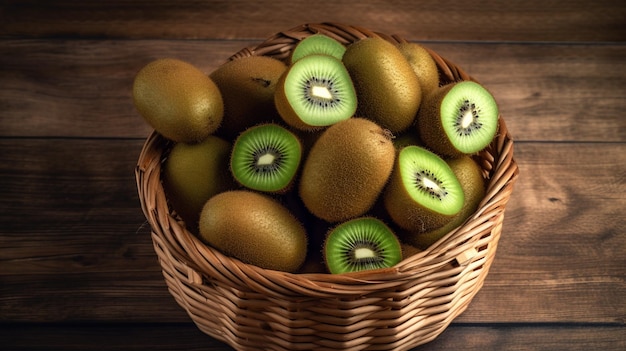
column 423, row 192
column 470, row 176
column 459, row 118
column 318, row 44
column 315, row 92
column 359, row 244
column 266, row 158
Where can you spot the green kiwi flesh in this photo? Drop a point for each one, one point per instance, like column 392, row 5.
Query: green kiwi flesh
column 359, row 244
column 254, row 228
column 318, row 44
column 423, row 192
column 316, row 91
column 460, row 118
column 469, row 174
column 266, row 158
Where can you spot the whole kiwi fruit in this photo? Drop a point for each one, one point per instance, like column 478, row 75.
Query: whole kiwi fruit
column 423, row 192
column 247, row 85
column 423, row 65
column 193, row 173
column 178, row 100
column 387, row 89
column 459, row 118
column 255, row 229
column 469, row 174
column 346, row 169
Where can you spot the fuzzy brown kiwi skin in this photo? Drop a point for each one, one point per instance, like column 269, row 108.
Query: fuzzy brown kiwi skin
column 429, row 125
column 247, row 85
column 387, row 88
column 470, row 176
column 346, row 169
column 193, row 173
column 178, row 100
column 423, row 65
column 254, row 228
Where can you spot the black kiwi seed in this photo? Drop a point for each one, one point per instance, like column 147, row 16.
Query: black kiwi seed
column 266, row 158
column 359, row 244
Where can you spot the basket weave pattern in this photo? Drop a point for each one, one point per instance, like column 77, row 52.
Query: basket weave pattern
column 398, row 308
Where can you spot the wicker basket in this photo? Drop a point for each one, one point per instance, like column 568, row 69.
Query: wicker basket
column 398, row 308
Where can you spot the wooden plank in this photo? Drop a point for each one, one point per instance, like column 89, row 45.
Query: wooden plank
column 82, row 88
column 74, row 245
column 533, row 20
column 187, row 337
column 561, row 257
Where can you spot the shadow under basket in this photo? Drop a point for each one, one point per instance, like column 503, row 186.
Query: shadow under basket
column 398, row 308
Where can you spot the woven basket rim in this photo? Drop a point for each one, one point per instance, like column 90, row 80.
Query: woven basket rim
column 502, row 174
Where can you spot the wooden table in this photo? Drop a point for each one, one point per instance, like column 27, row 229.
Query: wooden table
column 77, row 267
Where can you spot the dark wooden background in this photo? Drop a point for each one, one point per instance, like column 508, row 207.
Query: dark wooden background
column 77, row 268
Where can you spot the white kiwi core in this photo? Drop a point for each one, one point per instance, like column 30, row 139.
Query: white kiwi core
column 364, row 252
column 429, row 184
column 467, row 119
column 321, row 92
column 266, row 159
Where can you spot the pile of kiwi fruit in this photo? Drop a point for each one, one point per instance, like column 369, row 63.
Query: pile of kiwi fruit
column 339, row 158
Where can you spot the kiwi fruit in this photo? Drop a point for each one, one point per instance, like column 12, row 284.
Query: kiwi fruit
column 317, row 44
column 459, row 118
column 316, row 91
column 178, row 100
column 387, row 89
column 193, row 173
column 360, row 244
column 255, row 229
column 423, row 65
column 469, row 174
column 266, row 158
column 423, row 192
column 346, row 169
column 406, row 139
column 247, row 85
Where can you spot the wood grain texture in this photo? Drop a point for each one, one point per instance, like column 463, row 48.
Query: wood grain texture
column 83, row 88
column 186, row 337
column 74, row 236
column 531, row 20
column 77, row 266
